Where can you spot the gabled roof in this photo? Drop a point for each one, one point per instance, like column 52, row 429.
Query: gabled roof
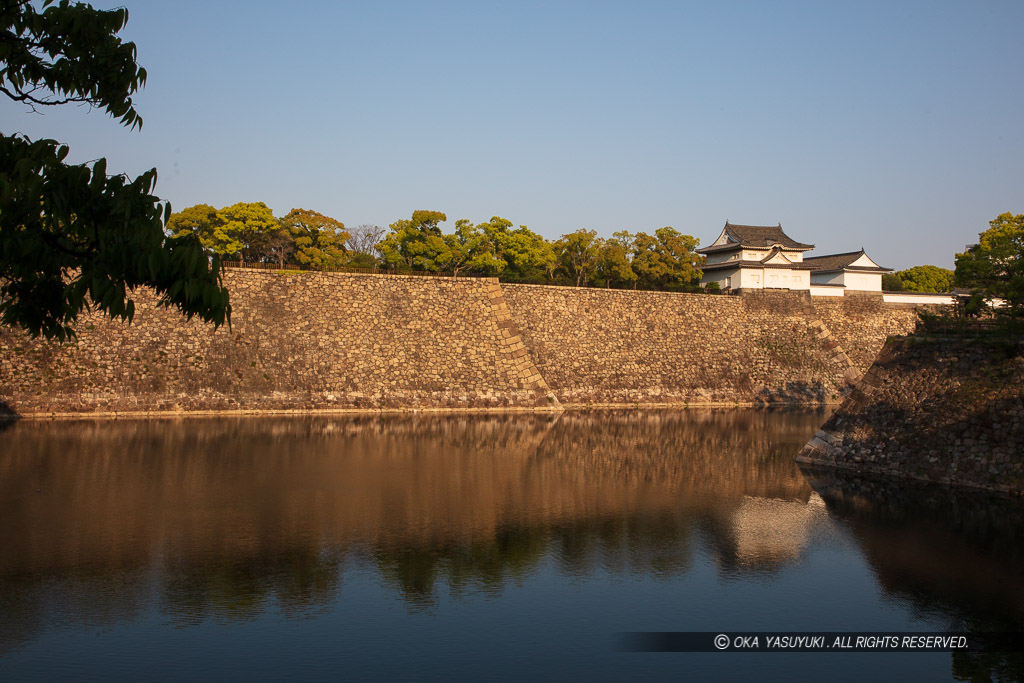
column 777, row 256
column 754, row 237
column 852, row 260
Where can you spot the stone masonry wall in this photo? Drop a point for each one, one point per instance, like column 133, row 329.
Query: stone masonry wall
column 311, row 341
column 861, row 322
column 597, row 346
column 946, row 411
column 298, row 341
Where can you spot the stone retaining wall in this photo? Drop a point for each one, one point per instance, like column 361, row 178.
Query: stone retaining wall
column 596, row 346
column 945, row 411
column 862, row 321
column 322, row 341
column 298, row 341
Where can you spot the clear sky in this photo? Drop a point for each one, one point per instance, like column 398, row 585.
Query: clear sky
column 896, row 126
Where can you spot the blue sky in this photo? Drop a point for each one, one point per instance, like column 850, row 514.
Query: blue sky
column 895, row 126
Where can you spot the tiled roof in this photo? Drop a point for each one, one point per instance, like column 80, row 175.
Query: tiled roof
column 757, row 265
column 757, row 237
column 841, row 262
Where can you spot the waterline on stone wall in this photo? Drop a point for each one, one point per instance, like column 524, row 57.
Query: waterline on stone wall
column 317, row 412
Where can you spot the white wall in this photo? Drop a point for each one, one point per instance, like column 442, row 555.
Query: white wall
column 864, row 282
column 783, row 278
column 861, row 282
column 759, row 278
column 916, row 298
column 753, row 278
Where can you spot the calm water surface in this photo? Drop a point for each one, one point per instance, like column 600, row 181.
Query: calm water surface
column 509, row 547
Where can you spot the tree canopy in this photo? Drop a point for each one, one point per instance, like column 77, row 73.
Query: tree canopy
column 71, row 237
column 248, row 231
column 666, row 260
column 307, row 239
column 416, row 243
column 919, row 279
column 995, row 265
column 319, row 240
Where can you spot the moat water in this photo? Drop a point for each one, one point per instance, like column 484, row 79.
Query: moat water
column 511, row 547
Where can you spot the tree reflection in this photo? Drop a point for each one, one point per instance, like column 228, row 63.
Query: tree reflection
column 228, row 519
column 240, row 588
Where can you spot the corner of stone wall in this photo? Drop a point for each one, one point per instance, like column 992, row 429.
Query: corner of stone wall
column 837, row 354
column 826, row 443
column 819, row 329
column 525, row 373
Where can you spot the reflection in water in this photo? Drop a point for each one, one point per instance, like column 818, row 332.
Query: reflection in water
column 770, row 532
column 924, row 540
column 229, row 519
column 939, row 550
column 224, row 516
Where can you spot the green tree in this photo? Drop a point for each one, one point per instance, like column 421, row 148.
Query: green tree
column 527, row 256
column 891, row 282
column 470, row 248
column 415, row 243
column 926, row 279
column 201, row 220
column 578, row 254
column 318, row 240
column 667, row 260
column 614, row 264
column 72, row 237
column 995, row 265
column 243, row 231
column 248, row 230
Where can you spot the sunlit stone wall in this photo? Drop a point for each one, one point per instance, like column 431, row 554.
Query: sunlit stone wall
column 861, row 322
column 302, row 341
column 615, row 346
column 298, row 341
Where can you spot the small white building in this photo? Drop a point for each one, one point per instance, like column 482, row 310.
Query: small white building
column 852, row 270
column 765, row 257
column 756, row 257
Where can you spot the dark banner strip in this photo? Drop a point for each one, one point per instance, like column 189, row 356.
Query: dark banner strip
column 817, row 641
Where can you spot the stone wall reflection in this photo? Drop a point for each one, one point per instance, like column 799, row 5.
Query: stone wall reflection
column 225, row 518
column 922, row 541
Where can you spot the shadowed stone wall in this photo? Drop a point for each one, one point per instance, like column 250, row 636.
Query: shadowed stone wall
column 946, row 411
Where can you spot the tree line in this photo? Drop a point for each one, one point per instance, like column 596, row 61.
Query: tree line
column 665, row 260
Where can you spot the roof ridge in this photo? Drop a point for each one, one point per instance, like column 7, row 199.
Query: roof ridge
column 758, row 237
column 749, row 225
column 842, row 253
